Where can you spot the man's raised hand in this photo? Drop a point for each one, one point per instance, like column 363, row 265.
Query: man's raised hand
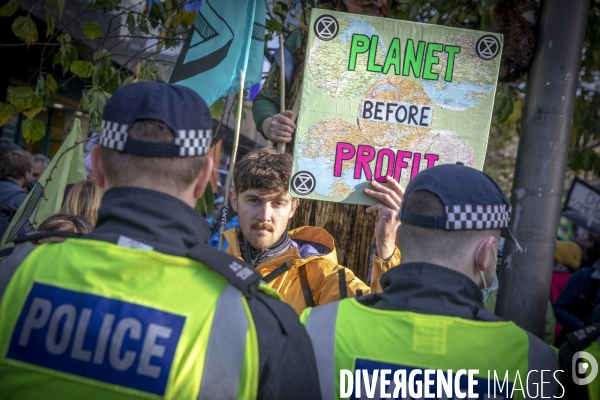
column 388, row 210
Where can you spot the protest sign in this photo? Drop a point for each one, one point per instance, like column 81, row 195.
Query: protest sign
column 582, row 205
column 384, row 97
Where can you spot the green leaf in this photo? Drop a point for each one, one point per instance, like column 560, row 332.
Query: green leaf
column 130, row 23
column 6, row 113
column 51, row 83
column 143, row 24
column 22, row 98
column 49, row 22
column 91, row 30
column 36, row 107
column 25, row 29
column 58, row 5
column 97, row 74
column 10, row 8
column 217, row 108
column 56, row 60
column 506, row 111
column 161, row 40
column 206, row 203
column 82, row 69
column 33, row 130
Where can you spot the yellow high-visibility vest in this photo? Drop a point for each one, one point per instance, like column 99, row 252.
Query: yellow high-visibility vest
column 348, row 335
column 91, row 319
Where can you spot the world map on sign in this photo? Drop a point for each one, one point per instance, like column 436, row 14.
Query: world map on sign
column 383, row 98
column 473, row 78
column 328, row 61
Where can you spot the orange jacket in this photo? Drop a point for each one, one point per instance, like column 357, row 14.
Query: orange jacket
column 321, row 270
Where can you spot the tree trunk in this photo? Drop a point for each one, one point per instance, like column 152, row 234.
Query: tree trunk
column 525, row 276
column 351, row 227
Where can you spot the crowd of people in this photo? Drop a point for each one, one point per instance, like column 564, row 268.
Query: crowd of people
column 20, row 171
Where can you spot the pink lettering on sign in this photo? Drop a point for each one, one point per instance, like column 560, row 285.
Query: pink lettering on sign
column 431, row 159
column 416, row 164
column 400, row 163
column 343, row 151
column 364, row 155
column 384, row 153
column 397, row 161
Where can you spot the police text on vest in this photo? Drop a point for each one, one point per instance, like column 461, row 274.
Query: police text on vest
column 97, row 337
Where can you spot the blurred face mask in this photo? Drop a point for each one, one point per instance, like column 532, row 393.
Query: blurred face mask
column 494, row 286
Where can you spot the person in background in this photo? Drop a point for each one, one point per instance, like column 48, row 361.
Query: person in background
column 87, row 157
column 567, row 259
column 7, row 146
column 83, row 199
column 15, row 174
column 575, row 304
column 64, row 223
column 40, row 163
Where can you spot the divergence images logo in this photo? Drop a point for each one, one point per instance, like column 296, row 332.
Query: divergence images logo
column 326, row 27
column 303, row 183
column 487, row 47
column 580, row 367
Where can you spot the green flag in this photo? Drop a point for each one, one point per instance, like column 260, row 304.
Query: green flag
column 46, row 197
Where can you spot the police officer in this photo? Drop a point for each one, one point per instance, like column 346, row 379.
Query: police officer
column 141, row 308
column 579, row 359
column 430, row 314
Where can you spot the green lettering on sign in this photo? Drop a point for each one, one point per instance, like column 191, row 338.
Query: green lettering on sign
column 431, row 60
column 359, row 45
column 452, row 51
column 413, row 60
column 393, row 57
column 371, row 66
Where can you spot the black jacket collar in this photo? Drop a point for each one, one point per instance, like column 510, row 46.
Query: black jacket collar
column 164, row 222
column 427, row 289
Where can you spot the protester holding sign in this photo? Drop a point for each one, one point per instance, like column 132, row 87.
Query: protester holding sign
column 264, row 207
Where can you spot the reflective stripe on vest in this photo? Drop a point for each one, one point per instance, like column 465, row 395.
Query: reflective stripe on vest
column 593, row 388
column 225, row 354
column 225, row 360
column 321, row 325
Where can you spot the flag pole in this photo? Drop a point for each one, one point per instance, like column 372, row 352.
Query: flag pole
column 281, row 146
column 236, row 139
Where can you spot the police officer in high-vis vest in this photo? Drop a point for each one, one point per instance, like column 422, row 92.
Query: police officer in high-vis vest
column 580, row 360
column 141, row 307
column 427, row 335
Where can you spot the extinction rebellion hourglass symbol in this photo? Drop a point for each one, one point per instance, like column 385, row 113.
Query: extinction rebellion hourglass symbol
column 487, row 47
column 303, row 183
column 326, row 27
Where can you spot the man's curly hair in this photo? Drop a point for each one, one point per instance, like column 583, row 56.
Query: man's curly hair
column 265, row 170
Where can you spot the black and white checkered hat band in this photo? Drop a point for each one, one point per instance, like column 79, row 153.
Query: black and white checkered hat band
column 191, row 142
column 470, row 216
column 113, row 135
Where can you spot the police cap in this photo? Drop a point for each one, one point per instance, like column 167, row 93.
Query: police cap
column 178, row 107
column 471, row 199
